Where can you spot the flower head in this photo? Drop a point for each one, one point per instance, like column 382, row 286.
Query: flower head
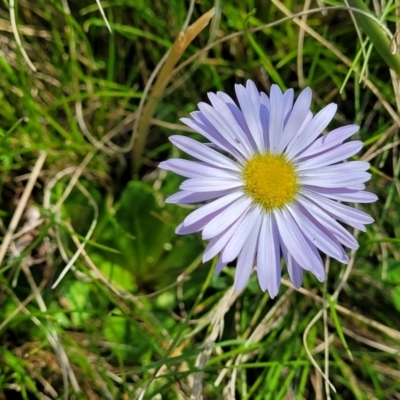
column 273, row 187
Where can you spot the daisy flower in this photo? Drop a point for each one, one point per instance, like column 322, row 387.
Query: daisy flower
column 272, row 186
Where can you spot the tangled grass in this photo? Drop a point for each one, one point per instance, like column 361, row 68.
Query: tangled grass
column 98, row 296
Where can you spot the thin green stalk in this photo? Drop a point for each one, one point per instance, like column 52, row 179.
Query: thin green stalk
column 375, row 33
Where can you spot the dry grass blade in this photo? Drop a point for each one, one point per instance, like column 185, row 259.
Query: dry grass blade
column 17, row 38
column 141, row 127
column 21, row 205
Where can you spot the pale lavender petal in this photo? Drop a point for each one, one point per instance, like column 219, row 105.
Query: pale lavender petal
column 235, row 245
column 288, row 97
column 300, row 130
column 268, row 256
column 350, row 216
column 338, row 175
column 312, row 130
column 203, row 152
column 212, row 207
column 249, row 101
column 201, row 125
column 195, row 169
column 264, row 100
column 210, row 184
column 335, row 179
column 319, row 236
column 245, row 262
column 228, row 100
column 341, row 234
column 219, row 267
column 189, row 197
column 295, row 241
column 276, row 118
column 239, row 117
column 345, row 194
column 299, row 112
column 229, row 122
column 333, row 156
column 227, row 217
column 330, row 140
column 304, row 125
column 294, row 269
column 264, row 116
column 358, row 166
column 217, row 243
column 197, row 226
column 316, row 269
column 359, row 186
column 224, row 130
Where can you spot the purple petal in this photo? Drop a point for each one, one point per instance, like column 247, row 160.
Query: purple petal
column 288, row 97
column 312, row 130
column 223, row 128
column 227, row 217
column 276, row 118
column 197, row 226
column 314, row 212
column 332, row 156
column 334, row 180
column 299, row 132
column 203, row 152
column 247, row 255
column 194, row 169
column 268, row 256
column 264, row 118
column 239, row 117
column 338, row 175
column 299, row 112
column 227, row 125
column 294, row 269
column 212, row 207
column 219, row 267
column 350, row 216
column 189, row 197
column 295, row 241
column 316, row 269
column 235, row 245
column 210, row 184
column 201, row 125
column 249, row 101
column 217, row 243
column 357, row 166
column 318, row 235
column 330, row 140
column 345, row 194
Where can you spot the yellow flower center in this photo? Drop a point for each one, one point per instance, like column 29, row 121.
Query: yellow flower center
column 270, row 180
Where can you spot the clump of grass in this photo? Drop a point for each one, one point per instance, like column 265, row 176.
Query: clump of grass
column 135, row 313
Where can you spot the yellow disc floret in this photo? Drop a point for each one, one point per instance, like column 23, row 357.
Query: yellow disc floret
column 270, row 180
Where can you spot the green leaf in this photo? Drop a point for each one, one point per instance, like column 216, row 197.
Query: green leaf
column 396, row 297
column 115, row 273
column 376, row 35
column 76, row 298
column 128, row 340
column 139, row 215
column 143, row 231
column 393, row 272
